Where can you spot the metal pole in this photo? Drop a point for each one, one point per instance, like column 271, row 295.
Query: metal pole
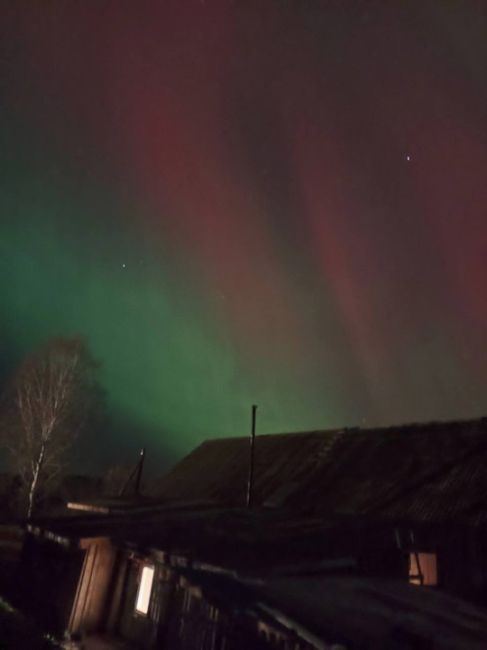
column 250, row 483
column 135, row 475
column 139, row 470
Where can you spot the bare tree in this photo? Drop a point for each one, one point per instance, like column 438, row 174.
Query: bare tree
column 49, row 401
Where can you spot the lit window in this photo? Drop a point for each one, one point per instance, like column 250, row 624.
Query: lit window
column 145, row 588
column 422, row 569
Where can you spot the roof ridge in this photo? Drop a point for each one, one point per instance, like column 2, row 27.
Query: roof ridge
column 414, row 427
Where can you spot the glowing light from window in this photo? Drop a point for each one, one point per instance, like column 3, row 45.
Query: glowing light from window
column 145, row 588
column 422, row 569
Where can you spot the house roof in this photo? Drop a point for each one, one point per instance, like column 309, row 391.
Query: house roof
column 431, row 472
column 354, row 609
column 456, row 493
column 217, row 470
column 117, row 505
column 237, row 540
column 350, row 610
column 256, row 549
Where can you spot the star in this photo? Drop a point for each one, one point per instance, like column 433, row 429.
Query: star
column 408, row 158
column 124, row 266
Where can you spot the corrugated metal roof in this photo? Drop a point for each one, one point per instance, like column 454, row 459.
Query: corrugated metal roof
column 428, row 471
column 369, row 611
column 218, row 469
column 459, row 493
column 245, row 540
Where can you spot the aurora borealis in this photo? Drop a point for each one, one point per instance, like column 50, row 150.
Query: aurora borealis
column 281, row 203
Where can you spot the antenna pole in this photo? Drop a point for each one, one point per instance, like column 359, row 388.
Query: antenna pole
column 140, row 467
column 250, row 483
column 135, row 475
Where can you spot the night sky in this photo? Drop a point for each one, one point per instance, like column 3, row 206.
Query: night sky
column 271, row 202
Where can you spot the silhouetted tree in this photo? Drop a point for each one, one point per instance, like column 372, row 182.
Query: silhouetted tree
column 48, row 402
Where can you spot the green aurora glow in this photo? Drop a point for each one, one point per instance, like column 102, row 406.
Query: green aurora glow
column 236, row 206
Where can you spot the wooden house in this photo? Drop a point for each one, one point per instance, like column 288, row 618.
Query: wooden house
column 342, row 521
column 212, row 577
column 428, row 481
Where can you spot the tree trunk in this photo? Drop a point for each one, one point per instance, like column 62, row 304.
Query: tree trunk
column 35, row 480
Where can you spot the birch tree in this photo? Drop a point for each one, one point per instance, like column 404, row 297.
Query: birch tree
column 50, row 399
